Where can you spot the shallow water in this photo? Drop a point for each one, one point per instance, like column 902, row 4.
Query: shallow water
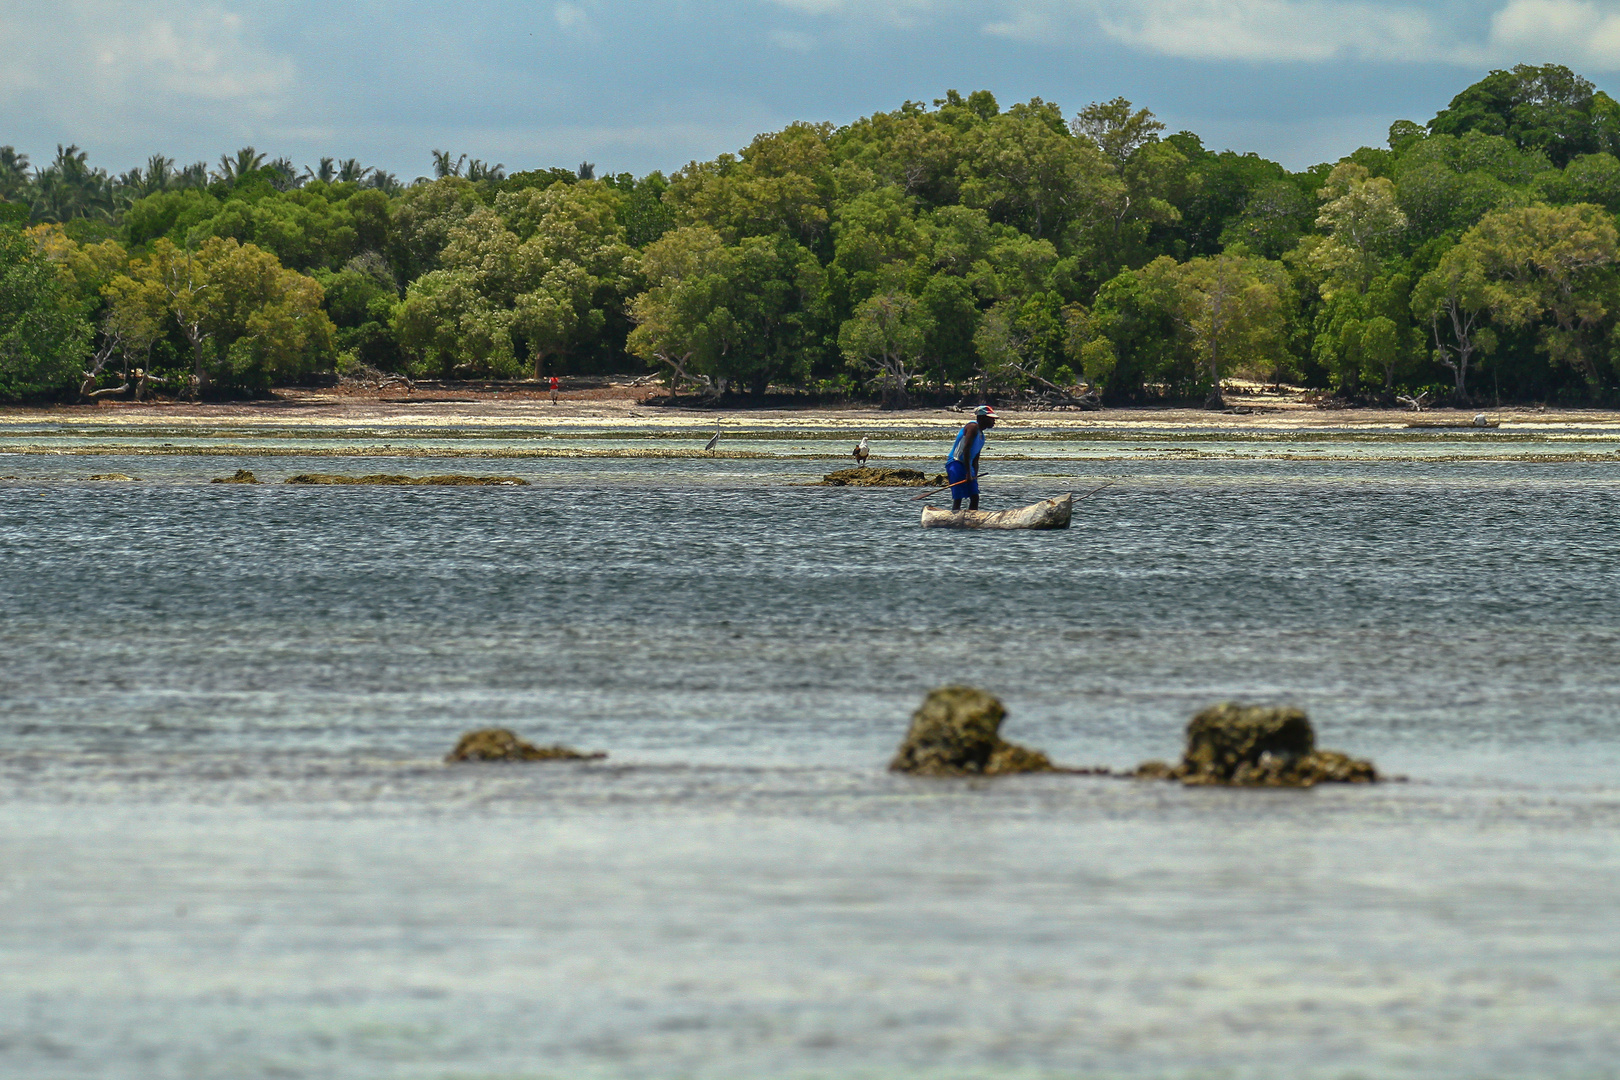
column 228, row 849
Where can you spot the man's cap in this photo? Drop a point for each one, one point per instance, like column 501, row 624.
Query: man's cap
column 984, row 410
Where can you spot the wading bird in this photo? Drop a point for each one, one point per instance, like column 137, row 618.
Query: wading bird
column 714, row 442
column 862, row 452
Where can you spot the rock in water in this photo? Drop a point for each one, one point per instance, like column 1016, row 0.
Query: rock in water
column 957, row 733
column 869, row 476
column 1255, row 746
column 393, row 480
column 499, row 744
column 242, row 476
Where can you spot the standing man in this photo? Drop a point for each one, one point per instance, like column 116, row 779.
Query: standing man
column 554, row 385
column 962, row 467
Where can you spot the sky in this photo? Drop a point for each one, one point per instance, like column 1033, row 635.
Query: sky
column 637, row 85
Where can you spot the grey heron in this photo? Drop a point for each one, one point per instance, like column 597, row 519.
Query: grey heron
column 713, row 442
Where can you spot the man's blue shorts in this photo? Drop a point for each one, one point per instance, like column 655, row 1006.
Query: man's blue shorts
column 954, row 471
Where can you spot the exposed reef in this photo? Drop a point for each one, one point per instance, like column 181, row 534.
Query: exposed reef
column 117, row 476
column 871, row 476
column 391, row 480
column 499, row 744
column 957, row 732
column 242, row 476
column 1255, row 746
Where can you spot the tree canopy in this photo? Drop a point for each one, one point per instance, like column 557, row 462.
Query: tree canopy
column 946, row 248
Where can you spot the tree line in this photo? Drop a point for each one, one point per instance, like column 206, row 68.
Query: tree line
column 933, row 250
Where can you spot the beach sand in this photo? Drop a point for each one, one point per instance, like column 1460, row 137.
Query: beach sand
column 620, row 403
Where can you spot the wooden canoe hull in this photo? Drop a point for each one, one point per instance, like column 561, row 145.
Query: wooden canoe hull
column 1048, row 514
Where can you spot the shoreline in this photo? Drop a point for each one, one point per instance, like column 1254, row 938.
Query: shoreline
column 620, row 407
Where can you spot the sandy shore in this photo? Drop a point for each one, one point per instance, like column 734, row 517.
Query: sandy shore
column 627, row 406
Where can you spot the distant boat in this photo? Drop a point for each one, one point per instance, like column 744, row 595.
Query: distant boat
column 1048, row 514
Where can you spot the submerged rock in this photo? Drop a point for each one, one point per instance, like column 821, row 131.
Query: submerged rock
column 1256, row 746
column 242, row 476
column 394, row 480
column 499, row 744
column 118, row 476
column 957, row 732
column 871, row 476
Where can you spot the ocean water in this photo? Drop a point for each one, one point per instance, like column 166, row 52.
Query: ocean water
column 229, row 846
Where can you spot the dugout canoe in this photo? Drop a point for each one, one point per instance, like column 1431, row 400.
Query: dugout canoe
column 1047, row 514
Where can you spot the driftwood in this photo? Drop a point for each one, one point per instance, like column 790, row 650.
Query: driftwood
column 1048, row 514
column 110, row 344
column 1416, row 404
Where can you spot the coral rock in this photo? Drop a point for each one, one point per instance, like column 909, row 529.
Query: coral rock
column 499, row 744
column 957, row 733
column 1254, row 746
column 870, row 476
column 395, row 480
column 242, row 476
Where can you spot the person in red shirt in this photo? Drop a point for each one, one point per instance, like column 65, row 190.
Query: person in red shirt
column 554, row 385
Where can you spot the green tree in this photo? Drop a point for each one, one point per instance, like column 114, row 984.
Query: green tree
column 1128, row 340
column 1026, row 170
column 1552, row 265
column 69, row 188
column 781, row 183
column 1365, row 336
column 43, row 330
column 16, row 181
column 249, row 320
column 885, row 338
column 1549, row 109
column 1232, row 309
column 1115, row 129
column 234, row 168
column 1453, row 299
column 421, row 222
column 717, row 314
column 547, row 268
column 1021, row 341
column 1363, row 223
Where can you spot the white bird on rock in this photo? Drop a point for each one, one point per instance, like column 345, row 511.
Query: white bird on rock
column 1480, row 421
column 862, row 452
column 714, row 442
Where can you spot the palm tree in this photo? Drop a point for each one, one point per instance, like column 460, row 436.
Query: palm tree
column 160, row 174
column 444, row 165
column 477, row 170
column 15, row 180
column 68, row 188
column 385, row 182
column 235, row 168
column 587, row 171
column 350, row 171
column 326, row 173
column 284, row 174
column 193, row 176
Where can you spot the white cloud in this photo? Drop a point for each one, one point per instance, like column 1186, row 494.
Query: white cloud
column 905, row 13
column 1576, row 32
column 793, row 41
column 1027, row 24
column 1268, row 30
column 858, row 7
column 1583, row 33
column 572, row 18
column 93, row 67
